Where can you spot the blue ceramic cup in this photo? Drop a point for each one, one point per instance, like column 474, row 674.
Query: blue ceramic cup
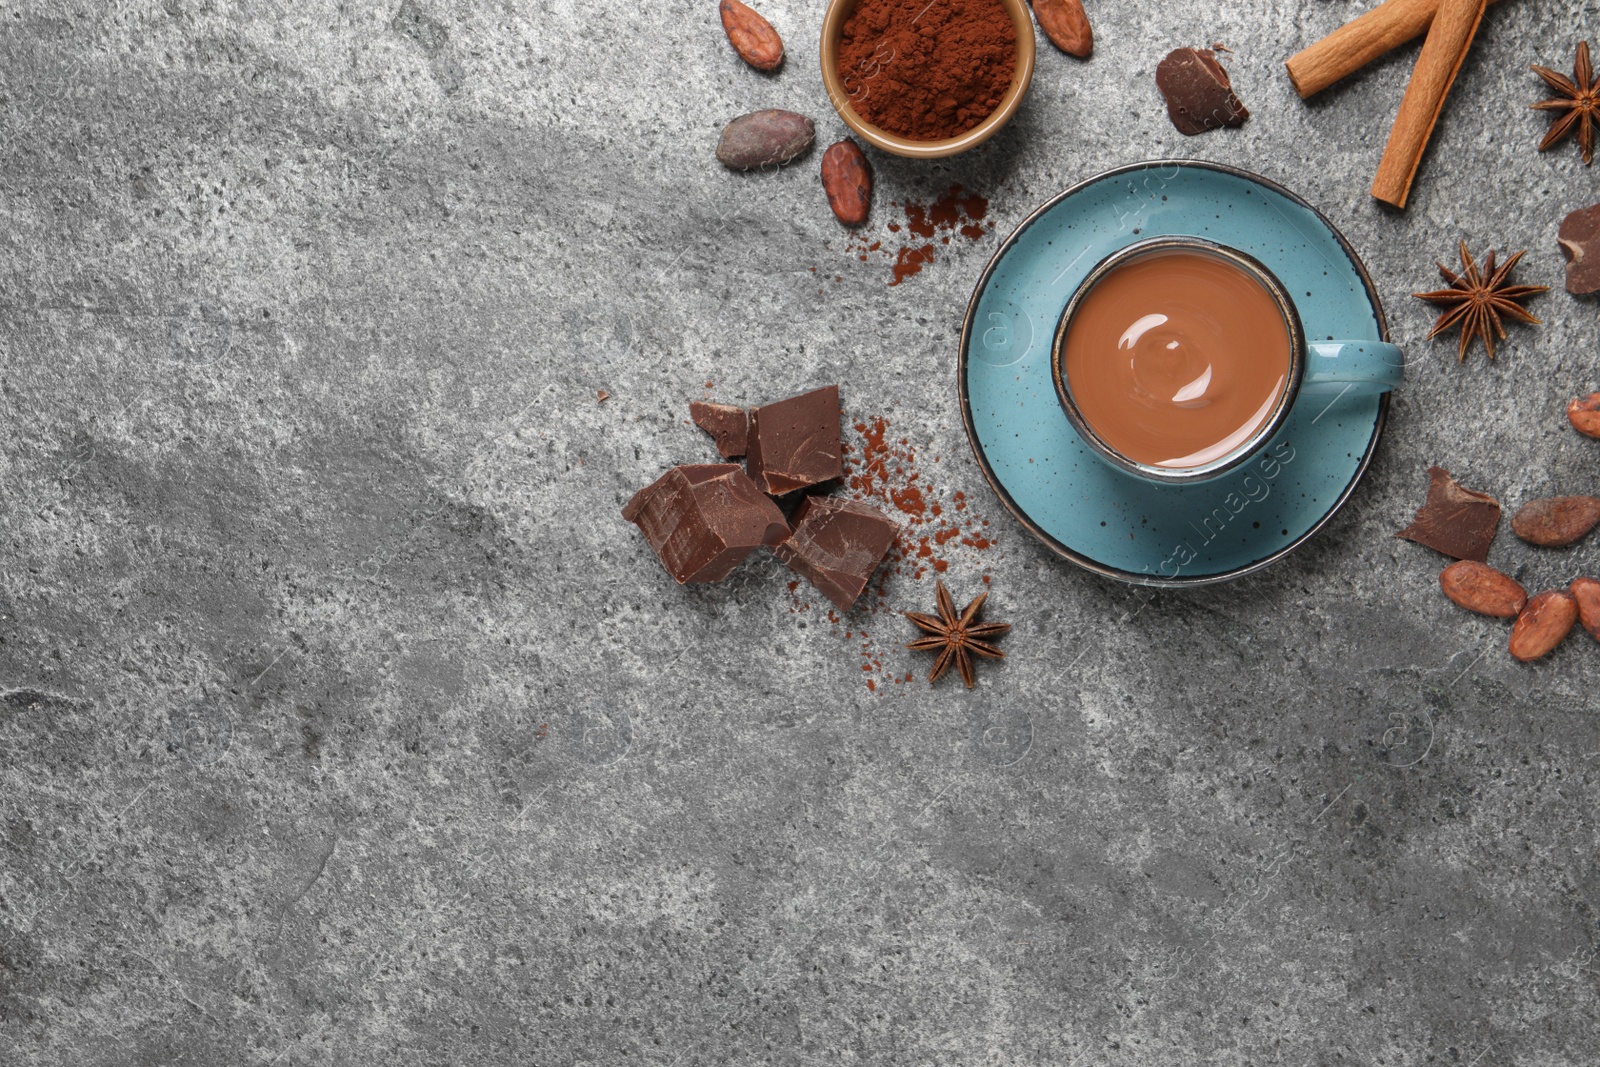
column 1327, row 369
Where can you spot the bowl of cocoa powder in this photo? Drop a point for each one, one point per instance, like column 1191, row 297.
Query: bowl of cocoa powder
column 927, row 78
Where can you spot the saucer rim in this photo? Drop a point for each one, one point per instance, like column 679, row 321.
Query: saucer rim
column 1049, row 540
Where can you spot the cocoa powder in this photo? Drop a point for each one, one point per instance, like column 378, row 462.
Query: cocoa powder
column 927, row 70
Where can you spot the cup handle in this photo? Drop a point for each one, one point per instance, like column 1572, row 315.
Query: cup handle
column 1359, row 368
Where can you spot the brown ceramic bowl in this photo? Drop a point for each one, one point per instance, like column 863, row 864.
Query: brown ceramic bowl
column 833, row 22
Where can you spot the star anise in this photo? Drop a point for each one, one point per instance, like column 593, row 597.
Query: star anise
column 956, row 637
column 1477, row 301
column 1577, row 101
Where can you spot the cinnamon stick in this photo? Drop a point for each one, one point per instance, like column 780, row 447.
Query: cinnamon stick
column 1358, row 42
column 1454, row 25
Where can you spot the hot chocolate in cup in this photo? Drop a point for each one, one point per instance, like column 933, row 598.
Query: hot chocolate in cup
column 1178, row 359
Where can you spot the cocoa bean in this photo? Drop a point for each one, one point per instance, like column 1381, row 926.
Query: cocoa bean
column 752, row 36
column 1479, row 587
column 1557, row 520
column 1584, row 414
column 1543, row 624
column 1066, row 24
column 847, row 179
column 765, row 139
column 1586, row 591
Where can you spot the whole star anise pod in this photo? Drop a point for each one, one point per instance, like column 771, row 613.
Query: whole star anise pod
column 1576, row 100
column 1477, row 301
column 956, row 637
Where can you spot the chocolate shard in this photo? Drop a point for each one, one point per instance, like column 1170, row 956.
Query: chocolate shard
column 728, row 426
column 1199, row 95
column 1579, row 238
column 1456, row 521
column 704, row 519
column 836, row 545
column 794, row 443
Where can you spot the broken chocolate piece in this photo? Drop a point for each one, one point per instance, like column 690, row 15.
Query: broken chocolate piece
column 703, row 519
column 1199, row 95
column 795, row 443
column 727, row 425
column 836, row 545
column 1458, row 522
column 1579, row 238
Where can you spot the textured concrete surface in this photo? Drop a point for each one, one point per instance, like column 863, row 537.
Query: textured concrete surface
column 342, row 721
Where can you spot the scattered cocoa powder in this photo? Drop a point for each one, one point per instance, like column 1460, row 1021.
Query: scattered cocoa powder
column 911, row 261
column 937, row 528
column 883, row 468
column 954, row 214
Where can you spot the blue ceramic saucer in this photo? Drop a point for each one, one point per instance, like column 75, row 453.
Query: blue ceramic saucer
column 1074, row 501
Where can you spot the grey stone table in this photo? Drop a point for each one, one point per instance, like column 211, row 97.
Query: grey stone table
column 342, row 721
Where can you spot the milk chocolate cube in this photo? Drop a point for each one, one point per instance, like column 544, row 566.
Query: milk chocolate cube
column 703, row 519
column 795, row 443
column 836, row 545
column 728, row 426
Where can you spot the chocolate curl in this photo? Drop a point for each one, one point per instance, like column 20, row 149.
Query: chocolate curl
column 1454, row 26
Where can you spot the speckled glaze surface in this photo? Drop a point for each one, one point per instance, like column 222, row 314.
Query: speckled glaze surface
column 1049, row 478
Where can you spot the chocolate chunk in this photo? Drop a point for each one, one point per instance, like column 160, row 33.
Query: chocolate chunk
column 702, row 520
column 1579, row 238
column 1458, row 522
column 836, row 545
column 1199, row 95
column 727, row 425
column 795, row 443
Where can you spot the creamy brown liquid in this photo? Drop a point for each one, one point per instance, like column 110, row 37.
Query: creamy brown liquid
column 1177, row 357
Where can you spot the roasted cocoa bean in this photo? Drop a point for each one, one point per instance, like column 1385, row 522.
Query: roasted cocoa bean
column 752, row 36
column 1479, row 587
column 1066, row 24
column 768, row 138
column 1543, row 624
column 1584, row 414
column 1557, row 520
column 847, row 179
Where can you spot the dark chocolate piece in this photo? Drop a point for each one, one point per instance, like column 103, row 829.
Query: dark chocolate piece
column 1579, row 238
column 727, row 425
column 1199, row 95
column 795, row 443
column 1458, row 522
column 836, row 545
column 703, row 519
